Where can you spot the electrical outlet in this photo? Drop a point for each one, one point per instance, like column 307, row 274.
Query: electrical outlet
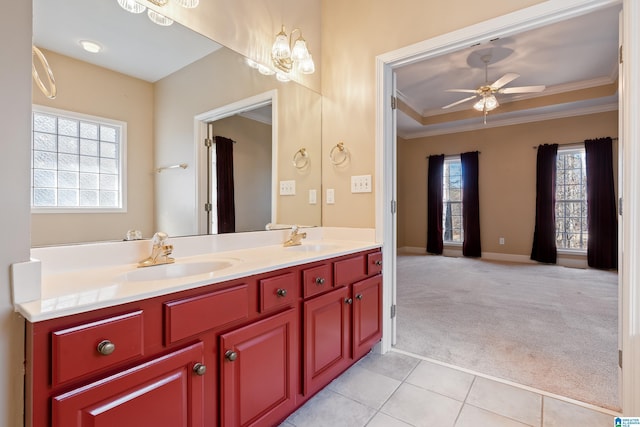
column 361, row 184
column 502, row 240
column 331, row 196
column 312, row 197
column 288, row 188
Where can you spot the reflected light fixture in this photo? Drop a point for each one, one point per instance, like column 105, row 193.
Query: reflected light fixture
column 90, row 46
column 285, row 56
column 134, row 6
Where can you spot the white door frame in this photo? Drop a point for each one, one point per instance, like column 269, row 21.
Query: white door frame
column 200, row 131
column 532, row 17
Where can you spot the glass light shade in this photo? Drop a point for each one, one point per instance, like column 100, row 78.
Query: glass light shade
column 299, row 51
column 486, row 103
column 491, row 103
column 306, row 66
column 281, row 49
column 189, row 4
column 282, row 77
column 156, row 18
column 132, row 6
column 263, row 69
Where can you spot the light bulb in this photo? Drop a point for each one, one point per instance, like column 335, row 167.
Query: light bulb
column 263, row 69
column 479, row 105
column 132, row 6
column 491, row 103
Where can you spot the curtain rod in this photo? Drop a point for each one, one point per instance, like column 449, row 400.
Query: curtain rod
column 452, row 155
column 535, row 147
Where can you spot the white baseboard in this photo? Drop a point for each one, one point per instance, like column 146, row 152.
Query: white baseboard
column 566, row 261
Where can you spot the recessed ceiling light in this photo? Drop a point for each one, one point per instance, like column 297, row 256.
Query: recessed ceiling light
column 90, row 46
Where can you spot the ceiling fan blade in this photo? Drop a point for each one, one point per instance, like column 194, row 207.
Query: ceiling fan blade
column 459, row 102
column 506, row 79
column 523, row 89
column 462, row 90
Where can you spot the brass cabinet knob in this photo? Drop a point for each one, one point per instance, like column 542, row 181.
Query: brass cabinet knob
column 319, row 281
column 106, row 347
column 281, row 292
column 378, row 262
column 231, row 355
column 348, row 301
column 199, row 369
column 358, row 296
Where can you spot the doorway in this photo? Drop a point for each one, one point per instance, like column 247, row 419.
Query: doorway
column 386, row 137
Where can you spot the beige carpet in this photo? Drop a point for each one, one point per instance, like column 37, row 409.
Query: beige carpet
column 548, row 327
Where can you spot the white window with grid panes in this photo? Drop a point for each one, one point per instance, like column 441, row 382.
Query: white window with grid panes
column 77, row 162
column 571, row 199
column 452, row 230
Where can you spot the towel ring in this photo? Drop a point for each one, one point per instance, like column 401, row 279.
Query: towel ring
column 339, row 154
column 51, row 91
column 301, row 158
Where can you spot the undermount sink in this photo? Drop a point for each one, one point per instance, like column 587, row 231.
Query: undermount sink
column 175, row 271
column 312, row 247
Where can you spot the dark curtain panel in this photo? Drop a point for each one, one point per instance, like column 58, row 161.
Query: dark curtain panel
column 470, row 205
column 602, row 221
column 224, row 177
column 434, row 204
column 544, row 237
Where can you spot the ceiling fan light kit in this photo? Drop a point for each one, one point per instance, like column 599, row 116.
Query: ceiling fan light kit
column 485, row 95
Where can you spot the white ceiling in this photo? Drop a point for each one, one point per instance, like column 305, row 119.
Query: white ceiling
column 573, row 54
column 131, row 43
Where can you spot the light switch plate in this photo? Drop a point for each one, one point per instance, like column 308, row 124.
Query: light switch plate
column 331, row 196
column 361, row 184
column 312, row 197
column 288, row 188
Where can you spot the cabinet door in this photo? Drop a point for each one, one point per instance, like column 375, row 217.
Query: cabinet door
column 367, row 315
column 326, row 338
column 163, row 392
column 259, row 371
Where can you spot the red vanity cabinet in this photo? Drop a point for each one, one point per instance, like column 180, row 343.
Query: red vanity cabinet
column 246, row 352
column 168, row 390
column 341, row 326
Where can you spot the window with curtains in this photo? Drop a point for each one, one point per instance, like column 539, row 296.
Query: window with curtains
column 76, row 162
column 452, row 230
column 571, row 199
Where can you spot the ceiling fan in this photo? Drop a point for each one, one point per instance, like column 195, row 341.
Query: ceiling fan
column 485, row 94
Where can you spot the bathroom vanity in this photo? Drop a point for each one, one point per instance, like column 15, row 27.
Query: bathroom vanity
column 245, row 345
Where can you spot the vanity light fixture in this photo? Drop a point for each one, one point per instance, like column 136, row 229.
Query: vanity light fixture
column 285, row 57
column 135, row 6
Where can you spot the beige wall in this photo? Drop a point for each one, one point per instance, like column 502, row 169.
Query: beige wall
column 251, row 170
column 89, row 89
column 355, row 32
column 507, row 176
column 15, row 113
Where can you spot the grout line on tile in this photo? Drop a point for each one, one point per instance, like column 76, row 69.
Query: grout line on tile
column 513, row 384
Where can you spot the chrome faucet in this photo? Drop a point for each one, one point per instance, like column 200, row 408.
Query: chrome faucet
column 159, row 252
column 294, row 237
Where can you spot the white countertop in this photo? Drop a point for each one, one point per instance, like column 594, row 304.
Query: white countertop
column 70, row 284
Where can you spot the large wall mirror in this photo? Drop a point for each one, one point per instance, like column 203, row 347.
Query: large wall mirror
column 169, row 86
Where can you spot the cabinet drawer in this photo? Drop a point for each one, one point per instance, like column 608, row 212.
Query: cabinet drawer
column 349, row 270
column 374, row 263
column 75, row 351
column 278, row 291
column 192, row 316
column 316, row 280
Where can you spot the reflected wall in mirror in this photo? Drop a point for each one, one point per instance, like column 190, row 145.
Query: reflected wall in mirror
column 161, row 110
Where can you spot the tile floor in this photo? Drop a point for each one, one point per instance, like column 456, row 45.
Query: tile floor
column 396, row 389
